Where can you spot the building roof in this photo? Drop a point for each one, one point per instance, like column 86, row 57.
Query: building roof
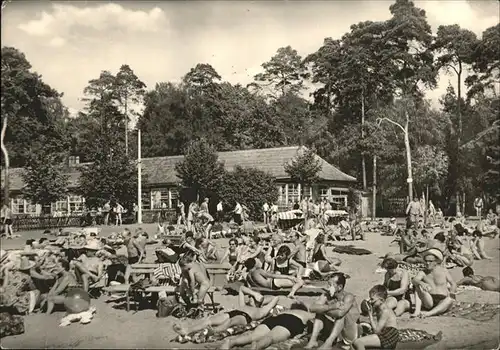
column 161, row 170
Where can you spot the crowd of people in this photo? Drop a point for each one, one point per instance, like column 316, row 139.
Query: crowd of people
column 39, row 276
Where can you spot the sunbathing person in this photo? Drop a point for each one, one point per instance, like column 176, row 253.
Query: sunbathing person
column 207, row 248
column 299, row 252
column 284, row 265
column 231, row 254
column 336, row 318
column 88, row 268
column 65, row 282
column 241, row 316
column 319, row 252
column 397, row 281
column 488, row 283
column 257, row 277
column 431, row 289
column 194, row 282
column 274, row 329
column 385, row 334
column 187, row 248
column 477, row 246
column 460, row 253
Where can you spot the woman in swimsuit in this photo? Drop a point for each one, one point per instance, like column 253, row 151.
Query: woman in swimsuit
column 274, row 329
column 282, row 263
column 231, row 253
column 396, row 281
column 242, row 316
column 319, row 252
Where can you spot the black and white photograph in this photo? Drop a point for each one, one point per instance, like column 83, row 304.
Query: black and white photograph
column 268, row 174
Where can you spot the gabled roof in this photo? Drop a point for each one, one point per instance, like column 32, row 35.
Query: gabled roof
column 161, row 170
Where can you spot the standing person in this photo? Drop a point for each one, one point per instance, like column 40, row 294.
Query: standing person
column 237, row 213
column 204, row 206
column 106, row 210
column 181, row 213
column 432, row 211
column 413, row 211
column 118, row 211
column 220, row 211
column 192, row 210
column 265, row 211
column 136, row 212
column 7, row 221
column 162, row 211
column 478, row 204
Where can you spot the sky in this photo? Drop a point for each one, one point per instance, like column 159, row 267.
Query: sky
column 71, row 42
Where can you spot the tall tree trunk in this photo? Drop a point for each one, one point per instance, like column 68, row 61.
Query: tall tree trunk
column 363, row 164
column 408, row 158
column 463, row 203
column 374, row 189
column 7, row 162
column 126, row 125
column 426, row 203
column 459, row 133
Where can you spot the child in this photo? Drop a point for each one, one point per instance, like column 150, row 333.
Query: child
column 386, row 335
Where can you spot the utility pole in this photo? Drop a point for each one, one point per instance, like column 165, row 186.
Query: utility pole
column 139, row 178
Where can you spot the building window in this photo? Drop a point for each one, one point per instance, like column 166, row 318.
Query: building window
column 323, row 193
column 18, row 206
column 174, row 197
column 30, row 208
column 76, row 204
column 146, row 200
column 293, row 193
column 340, row 201
column 306, row 192
column 60, row 207
column 158, row 197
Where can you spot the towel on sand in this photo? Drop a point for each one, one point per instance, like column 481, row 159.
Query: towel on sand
column 473, row 311
column 409, row 338
column 350, row 249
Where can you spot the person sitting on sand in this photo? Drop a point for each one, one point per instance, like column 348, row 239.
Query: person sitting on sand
column 65, row 282
column 194, row 282
column 477, row 246
column 274, row 329
column 488, row 283
column 397, row 281
column 284, row 265
column 241, row 316
column 431, row 286
column 231, row 254
column 385, row 333
column 187, row 248
column 319, row 252
column 207, row 248
column 257, row 277
column 88, row 268
column 299, row 252
column 336, row 315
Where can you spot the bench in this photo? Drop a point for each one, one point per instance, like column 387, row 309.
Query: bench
column 213, row 270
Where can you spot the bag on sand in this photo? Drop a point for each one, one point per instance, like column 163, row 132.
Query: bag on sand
column 11, row 324
column 165, row 307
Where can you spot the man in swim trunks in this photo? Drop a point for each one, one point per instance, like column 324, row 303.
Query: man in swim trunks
column 274, row 329
column 258, row 277
column 337, row 314
column 488, row 283
column 299, row 253
column 431, row 286
column 244, row 315
column 194, row 281
column 385, row 333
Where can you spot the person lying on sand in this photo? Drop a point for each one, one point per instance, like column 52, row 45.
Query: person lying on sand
column 88, row 268
column 257, row 277
column 241, row 316
column 431, row 286
column 385, row 333
column 336, row 316
column 488, row 283
column 274, row 329
column 397, row 281
column 194, row 282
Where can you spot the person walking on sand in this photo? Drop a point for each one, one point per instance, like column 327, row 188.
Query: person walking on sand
column 106, row 209
column 431, row 286
column 220, row 212
column 7, row 221
column 119, row 211
column 413, row 211
column 265, row 212
column 478, row 205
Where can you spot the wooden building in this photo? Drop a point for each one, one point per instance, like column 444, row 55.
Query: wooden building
column 161, row 184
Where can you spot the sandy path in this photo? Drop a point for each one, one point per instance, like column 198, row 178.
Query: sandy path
column 112, row 328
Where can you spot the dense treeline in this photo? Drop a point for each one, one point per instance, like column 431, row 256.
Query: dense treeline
column 368, row 84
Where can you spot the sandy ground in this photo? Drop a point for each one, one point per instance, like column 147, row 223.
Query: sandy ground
column 113, row 327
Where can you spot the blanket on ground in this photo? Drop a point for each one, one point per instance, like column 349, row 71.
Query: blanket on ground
column 312, row 289
column 473, row 311
column 350, row 249
column 183, row 311
column 208, row 335
column 410, row 338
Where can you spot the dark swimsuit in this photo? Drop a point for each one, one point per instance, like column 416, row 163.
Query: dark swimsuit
column 437, row 298
column 291, row 322
column 318, row 255
column 234, row 313
column 284, row 270
column 393, row 285
column 233, row 258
